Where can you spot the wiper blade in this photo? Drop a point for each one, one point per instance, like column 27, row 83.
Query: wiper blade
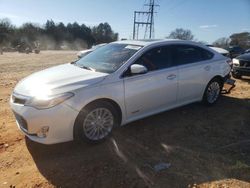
column 88, row 68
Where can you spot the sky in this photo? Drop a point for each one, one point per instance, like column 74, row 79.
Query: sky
column 207, row 19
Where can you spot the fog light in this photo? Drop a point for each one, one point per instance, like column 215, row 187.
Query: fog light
column 42, row 133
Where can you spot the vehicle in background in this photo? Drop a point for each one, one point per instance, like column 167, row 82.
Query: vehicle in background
column 220, row 50
column 86, row 52
column 116, row 84
column 235, row 51
column 247, row 51
column 241, row 66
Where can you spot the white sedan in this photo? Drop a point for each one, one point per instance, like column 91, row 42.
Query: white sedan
column 119, row 83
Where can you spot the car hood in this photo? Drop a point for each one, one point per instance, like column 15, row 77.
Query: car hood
column 244, row 57
column 58, row 79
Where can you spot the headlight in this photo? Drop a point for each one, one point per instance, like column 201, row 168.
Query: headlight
column 48, row 101
column 236, row 62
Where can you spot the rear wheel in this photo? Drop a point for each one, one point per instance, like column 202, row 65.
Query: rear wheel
column 212, row 92
column 95, row 122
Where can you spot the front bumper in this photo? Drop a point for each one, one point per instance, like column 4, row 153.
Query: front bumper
column 241, row 71
column 60, row 120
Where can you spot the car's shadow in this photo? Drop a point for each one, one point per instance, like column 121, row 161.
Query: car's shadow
column 246, row 79
column 195, row 140
column 243, row 78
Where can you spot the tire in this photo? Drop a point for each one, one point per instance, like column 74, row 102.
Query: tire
column 237, row 76
column 212, row 92
column 95, row 122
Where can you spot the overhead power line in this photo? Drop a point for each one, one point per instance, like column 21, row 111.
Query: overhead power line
column 145, row 19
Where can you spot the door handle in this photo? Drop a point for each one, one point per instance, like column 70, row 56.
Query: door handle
column 171, row 77
column 207, row 68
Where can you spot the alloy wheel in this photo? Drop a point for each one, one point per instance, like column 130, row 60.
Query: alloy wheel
column 98, row 124
column 213, row 92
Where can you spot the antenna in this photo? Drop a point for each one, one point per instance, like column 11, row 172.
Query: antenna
column 149, row 23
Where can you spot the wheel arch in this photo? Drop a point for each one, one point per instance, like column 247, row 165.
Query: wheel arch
column 110, row 101
column 114, row 103
column 218, row 77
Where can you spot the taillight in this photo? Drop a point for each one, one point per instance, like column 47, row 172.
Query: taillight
column 229, row 61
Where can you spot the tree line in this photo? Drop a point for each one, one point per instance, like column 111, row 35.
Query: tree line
column 55, row 35
column 237, row 39
column 74, row 36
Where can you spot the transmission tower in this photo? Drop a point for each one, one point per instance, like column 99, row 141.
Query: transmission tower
column 145, row 19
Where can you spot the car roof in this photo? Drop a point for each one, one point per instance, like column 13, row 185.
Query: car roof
column 145, row 42
column 158, row 41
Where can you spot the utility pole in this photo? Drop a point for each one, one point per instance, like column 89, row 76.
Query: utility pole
column 149, row 23
column 152, row 4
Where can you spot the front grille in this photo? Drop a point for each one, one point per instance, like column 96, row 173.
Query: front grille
column 245, row 64
column 19, row 100
column 21, row 121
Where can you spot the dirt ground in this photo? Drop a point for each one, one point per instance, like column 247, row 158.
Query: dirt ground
column 204, row 146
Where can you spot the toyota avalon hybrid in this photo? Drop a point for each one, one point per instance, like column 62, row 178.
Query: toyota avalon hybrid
column 119, row 83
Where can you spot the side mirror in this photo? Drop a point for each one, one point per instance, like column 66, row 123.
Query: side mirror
column 138, row 69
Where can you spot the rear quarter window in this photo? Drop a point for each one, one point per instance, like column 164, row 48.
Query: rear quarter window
column 186, row 54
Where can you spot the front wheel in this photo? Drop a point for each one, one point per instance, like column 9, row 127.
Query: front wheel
column 212, row 92
column 95, row 122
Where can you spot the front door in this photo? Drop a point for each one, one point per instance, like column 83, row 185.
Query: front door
column 155, row 90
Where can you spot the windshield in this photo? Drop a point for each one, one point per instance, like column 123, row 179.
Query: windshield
column 98, row 46
column 108, row 58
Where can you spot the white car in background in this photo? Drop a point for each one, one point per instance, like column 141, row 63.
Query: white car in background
column 220, row 50
column 119, row 83
column 86, row 52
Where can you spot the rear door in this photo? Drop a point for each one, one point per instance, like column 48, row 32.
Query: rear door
column 194, row 66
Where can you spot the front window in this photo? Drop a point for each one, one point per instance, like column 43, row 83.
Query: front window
column 156, row 59
column 108, row 58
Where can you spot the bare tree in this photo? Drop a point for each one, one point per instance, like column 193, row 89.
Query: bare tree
column 6, row 30
column 222, row 42
column 240, row 39
column 180, row 33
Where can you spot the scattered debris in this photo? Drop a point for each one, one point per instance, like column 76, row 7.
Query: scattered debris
column 161, row 166
column 242, row 122
column 243, row 142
